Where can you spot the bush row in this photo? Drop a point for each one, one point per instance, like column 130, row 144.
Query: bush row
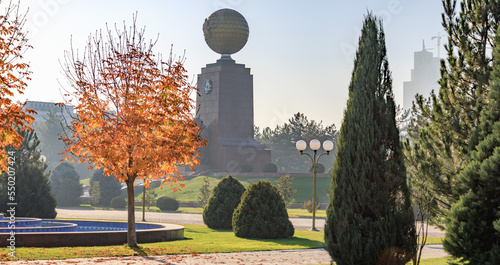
column 257, row 212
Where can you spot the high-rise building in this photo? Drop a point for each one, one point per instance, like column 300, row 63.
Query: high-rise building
column 424, row 77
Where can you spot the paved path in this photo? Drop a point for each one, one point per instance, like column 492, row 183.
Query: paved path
column 284, row 257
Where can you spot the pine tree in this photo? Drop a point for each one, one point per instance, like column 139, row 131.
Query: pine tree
column 473, row 225
column 369, row 217
column 65, row 184
column 449, row 119
column 32, row 189
column 109, row 187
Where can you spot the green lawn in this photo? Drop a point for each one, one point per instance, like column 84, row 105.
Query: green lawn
column 303, row 185
column 198, row 239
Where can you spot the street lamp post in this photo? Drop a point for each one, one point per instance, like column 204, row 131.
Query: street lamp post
column 315, row 144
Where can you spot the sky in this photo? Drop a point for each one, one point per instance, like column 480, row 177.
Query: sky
column 300, row 52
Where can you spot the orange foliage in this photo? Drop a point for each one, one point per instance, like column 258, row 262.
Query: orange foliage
column 13, row 72
column 133, row 114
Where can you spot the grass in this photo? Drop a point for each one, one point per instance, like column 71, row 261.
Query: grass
column 303, row 185
column 198, row 239
column 85, row 182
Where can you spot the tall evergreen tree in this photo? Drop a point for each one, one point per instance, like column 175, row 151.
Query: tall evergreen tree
column 448, row 119
column 370, row 218
column 49, row 131
column 65, row 184
column 473, row 225
column 32, row 189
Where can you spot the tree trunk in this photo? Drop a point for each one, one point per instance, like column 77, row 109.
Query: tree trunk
column 131, row 235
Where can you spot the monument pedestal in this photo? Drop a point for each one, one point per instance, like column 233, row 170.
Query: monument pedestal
column 226, row 110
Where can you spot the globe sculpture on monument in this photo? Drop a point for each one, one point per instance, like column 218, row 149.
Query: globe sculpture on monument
column 225, row 99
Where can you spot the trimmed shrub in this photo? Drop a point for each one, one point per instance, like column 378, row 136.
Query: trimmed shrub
column 118, row 203
column 246, row 168
column 224, row 199
column 270, row 168
column 167, row 204
column 320, row 169
column 262, row 213
column 330, row 171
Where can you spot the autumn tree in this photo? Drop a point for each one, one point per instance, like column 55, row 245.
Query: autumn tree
column 13, row 76
column 133, row 113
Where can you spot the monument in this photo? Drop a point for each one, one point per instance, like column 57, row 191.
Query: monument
column 225, row 99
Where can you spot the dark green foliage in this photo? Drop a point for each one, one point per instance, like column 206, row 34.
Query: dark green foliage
column 204, row 192
column 109, row 187
column 270, row 168
column 246, row 168
column 446, row 122
column 118, row 203
column 95, row 195
column 65, row 184
column 319, row 169
column 224, row 199
column 32, row 189
column 471, row 234
column 282, row 141
column 167, row 204
column 285, row 188
column 369, row 218
column 262, row 213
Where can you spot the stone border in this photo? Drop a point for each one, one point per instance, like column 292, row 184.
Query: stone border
column 166, row 232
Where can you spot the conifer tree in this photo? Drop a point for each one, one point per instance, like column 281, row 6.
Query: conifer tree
column 473, row 225
column 109, row 187
column 449, row 119
column 65, row 184
column 32, row 189
column 369, row 217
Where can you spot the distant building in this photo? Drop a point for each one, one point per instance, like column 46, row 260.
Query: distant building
column 42, row 109
column 424, row 77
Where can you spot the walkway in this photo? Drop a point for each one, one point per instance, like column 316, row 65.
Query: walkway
column 285, row 257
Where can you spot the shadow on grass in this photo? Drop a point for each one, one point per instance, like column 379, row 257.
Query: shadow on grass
column 293, row 241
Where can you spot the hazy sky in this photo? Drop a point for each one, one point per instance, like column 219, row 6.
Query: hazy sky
column 300, row 52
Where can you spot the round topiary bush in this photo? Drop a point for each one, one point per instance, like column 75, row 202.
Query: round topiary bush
column 225, row 197
column 246, row 168
column 118, row 203
column 167, row 204
column 270, row 168
column 262, row 213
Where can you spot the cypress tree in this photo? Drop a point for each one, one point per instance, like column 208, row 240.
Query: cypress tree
column 450, row 118
column 32, row 189
column 369, row 217
column 473, row 225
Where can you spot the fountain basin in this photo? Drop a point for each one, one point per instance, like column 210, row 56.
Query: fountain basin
column 92, row 233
